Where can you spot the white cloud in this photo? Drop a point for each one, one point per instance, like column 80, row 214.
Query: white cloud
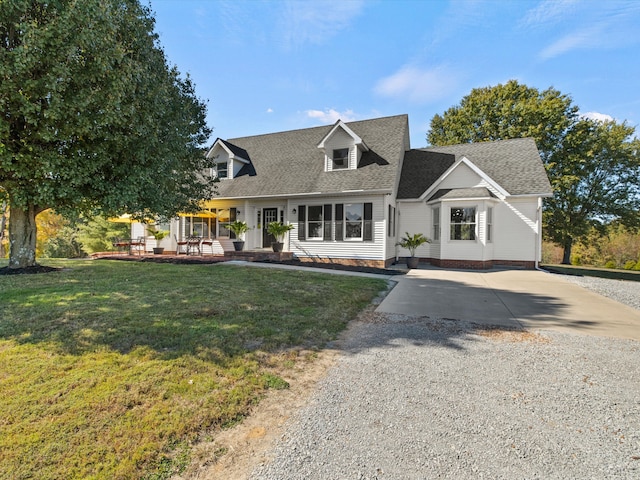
column 331, row 115
column 314, row 22
column 600, row 117
column 269, row 110
column 596, row 25
column 418, row 85
column 548, row 11
column 591, row 37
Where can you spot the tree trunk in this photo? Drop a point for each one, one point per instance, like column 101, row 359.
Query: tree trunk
column 22, row 237
column 566, row 256
column 3, row 225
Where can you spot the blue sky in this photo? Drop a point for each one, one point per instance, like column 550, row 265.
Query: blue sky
column 269, row 66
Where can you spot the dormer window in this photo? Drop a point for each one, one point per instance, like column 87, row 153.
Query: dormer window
column 222, row 170
column 340, row 158
column 228, row 160
column 346, row 157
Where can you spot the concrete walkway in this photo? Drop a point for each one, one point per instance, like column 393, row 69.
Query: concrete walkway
column 510, row 298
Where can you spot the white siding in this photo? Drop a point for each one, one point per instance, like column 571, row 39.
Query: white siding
column 374, row 250
column 390, row 241
column 462, row 177
column 415, row 217
column 515, row 229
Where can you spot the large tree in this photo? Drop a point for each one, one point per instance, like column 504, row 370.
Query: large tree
column 594, row 167
column 92, row 118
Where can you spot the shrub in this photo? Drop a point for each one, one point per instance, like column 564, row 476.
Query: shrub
column 610, row 264
column 629, row 265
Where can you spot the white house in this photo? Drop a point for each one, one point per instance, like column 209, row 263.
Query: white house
column 351, row 190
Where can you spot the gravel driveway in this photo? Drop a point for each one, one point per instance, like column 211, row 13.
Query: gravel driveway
column 420, row 398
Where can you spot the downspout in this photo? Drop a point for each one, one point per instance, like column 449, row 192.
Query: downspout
column 538, row 253
column 396, row 239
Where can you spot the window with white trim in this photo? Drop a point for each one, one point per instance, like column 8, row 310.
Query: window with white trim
column 489, row 224
column 352, row 222
column 435, row 223
column 200, row 226
column 222, row 170
column 340, row 158
column 463, row 223
column 314, row 223
column 391, row 231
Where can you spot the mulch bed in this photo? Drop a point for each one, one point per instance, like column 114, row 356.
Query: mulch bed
column 184, row 259
column 338, row 266
column 28, row 270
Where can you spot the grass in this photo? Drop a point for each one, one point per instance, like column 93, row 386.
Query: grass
column 113, row 369
column 633, row 276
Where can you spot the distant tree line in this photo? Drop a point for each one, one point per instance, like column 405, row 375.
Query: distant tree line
column 617, row 247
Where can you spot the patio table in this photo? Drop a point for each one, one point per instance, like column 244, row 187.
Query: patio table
column 193, row 245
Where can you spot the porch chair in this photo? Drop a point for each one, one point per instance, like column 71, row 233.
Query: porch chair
column 139, row 245
column 182, row 246
column 208, row 242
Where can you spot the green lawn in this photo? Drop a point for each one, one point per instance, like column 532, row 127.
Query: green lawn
column 113, row 369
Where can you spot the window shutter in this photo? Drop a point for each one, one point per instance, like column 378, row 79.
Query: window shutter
column 232, row 218
column 302, row 217
column 326, row 236
column 367, row 234
column 339, row 223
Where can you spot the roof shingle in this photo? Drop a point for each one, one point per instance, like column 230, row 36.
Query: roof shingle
column 289, row 163
column 514, row 164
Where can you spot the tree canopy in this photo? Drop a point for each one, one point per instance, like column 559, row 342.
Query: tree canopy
column 593, row 166
column 92, row 118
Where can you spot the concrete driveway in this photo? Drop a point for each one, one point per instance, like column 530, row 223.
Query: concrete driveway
column 527, row 299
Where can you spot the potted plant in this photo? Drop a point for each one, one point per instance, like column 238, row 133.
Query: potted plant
column 411, row 243
column 239, row 228
column 278, row 230
column 158, row 235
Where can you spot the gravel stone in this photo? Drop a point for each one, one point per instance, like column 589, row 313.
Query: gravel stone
column 421, row 398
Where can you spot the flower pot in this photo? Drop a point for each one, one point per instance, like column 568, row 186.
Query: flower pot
column 277, row 246
column 238, row 245
column 158, row 250
column 412, row 262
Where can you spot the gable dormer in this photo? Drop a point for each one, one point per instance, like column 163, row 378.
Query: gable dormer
column 227, row 159
column 342, row 148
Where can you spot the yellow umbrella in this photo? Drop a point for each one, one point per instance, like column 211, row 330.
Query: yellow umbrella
column 126, row 218
column 204, row 214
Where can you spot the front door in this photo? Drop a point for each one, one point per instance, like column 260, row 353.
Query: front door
column 268, row 215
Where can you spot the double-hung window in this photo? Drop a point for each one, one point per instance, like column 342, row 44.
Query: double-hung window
column 222, row 170
column 489, row 224
column 340, row 158
column 315, row 223
column 435, row 212
column 463, row 223
column 354, row 217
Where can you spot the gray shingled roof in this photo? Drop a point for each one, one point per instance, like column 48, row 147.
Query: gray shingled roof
column 514, row 164
column 420, row 169
column 237, row 151
column 289, row 163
